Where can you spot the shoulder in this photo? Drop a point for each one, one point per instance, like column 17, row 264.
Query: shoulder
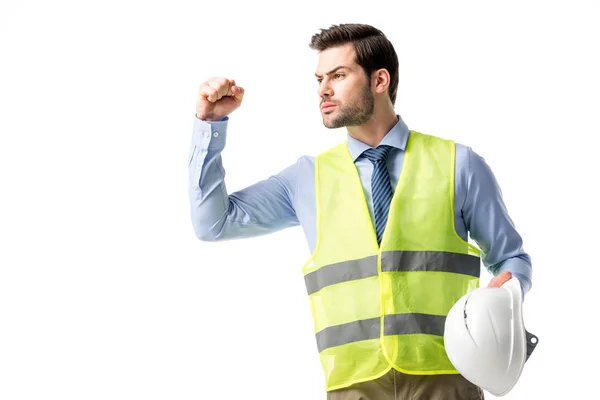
column 298, row 172
column 305, row 163
column 466, row 159
column 469, row 157
column 472, row 168
column 294, row 177
column 336, row 150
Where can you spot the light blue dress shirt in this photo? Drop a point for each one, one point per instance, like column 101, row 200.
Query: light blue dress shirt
column 288, row 198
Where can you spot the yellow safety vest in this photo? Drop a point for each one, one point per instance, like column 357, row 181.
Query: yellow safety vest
column 375, row 307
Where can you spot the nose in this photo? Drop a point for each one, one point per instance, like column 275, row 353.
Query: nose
column 325, row 89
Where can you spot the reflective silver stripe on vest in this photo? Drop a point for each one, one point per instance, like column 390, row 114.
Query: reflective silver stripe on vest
column 392, row 261
column 439, row 261
column 355, row 331
column 405, row 324
column 394, row 324
column 340, row 272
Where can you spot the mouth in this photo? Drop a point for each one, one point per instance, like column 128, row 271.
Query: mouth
column 328, row 107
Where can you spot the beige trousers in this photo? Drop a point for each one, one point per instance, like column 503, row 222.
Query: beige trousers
column 398, row 386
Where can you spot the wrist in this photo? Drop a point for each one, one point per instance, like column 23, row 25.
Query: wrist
column 212, row 118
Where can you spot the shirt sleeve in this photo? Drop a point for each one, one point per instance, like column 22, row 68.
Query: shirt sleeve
column 490, row 225
column 259, row 209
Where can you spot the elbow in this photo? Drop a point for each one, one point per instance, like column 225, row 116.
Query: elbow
column 209, row 233
column 208, row 228
column 205, row 228
column 205, row 235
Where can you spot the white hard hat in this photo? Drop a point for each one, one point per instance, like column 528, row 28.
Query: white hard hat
column 485, row 337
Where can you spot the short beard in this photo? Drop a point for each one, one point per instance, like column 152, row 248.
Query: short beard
column 354, row 114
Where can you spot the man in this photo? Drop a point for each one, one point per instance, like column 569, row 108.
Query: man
column 390, row 251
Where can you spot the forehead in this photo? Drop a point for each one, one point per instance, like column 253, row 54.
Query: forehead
column 336, row 56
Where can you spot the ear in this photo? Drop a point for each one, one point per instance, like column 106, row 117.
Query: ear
column 381, row 80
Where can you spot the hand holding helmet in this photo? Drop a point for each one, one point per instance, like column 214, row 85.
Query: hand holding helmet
column 485, row 337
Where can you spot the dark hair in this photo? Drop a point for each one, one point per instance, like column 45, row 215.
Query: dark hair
column 373, row 50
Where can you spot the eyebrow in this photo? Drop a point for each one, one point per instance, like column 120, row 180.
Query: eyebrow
column 333, row 70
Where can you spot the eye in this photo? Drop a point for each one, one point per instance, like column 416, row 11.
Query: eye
column 319, row 80
column 339, row 75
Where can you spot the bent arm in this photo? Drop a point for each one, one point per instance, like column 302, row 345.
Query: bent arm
column 259, row 209
column 491, row 226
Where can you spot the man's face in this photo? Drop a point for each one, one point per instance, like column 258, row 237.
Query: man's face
column 347, row 88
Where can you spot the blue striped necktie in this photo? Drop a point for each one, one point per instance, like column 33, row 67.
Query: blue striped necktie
column 381, row 187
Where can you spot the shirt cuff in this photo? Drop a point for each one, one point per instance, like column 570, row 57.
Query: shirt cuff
column 210, row 134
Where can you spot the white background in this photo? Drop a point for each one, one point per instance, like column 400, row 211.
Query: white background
column 105, row 292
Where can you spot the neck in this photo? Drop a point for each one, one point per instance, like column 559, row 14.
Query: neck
column 373, row 131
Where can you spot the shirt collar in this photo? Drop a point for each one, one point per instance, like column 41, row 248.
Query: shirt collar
column 396, row 137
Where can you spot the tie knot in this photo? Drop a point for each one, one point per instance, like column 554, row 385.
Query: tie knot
column 379, row 153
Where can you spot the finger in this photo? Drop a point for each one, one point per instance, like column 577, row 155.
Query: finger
column 209, row 92
column 500, row 279
column 231, row 88
column 238, row 92
column 221, row 85
column 230, row 83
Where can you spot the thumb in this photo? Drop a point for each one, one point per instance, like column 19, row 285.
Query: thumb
column 238, row 92
column 500, row 279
